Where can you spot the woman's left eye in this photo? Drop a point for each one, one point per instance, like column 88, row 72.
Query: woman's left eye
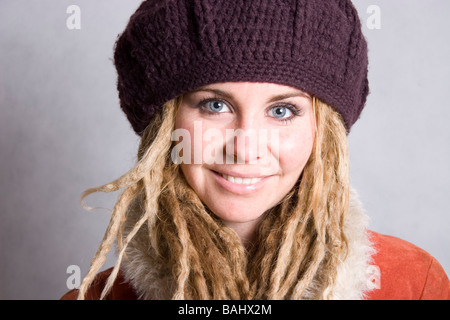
column 281, row 112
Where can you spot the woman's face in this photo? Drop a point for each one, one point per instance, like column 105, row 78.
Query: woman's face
column 243, row 146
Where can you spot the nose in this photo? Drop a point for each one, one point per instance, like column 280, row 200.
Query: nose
column 246, row 142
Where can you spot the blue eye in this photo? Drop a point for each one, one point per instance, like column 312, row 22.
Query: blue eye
column 281, row 112
column 216, row 106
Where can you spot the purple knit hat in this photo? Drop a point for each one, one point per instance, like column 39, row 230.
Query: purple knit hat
column 171, row 47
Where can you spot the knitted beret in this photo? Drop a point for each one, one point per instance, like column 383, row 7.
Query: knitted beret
column 171, row 47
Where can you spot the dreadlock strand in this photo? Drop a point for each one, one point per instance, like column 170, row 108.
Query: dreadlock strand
column 286, row 247
column 108, row 239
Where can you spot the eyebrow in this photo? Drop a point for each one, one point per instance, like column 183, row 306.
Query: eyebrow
column 290, row 95
column 215, row 91
column 273, row 99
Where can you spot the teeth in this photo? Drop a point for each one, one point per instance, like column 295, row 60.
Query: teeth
column 241, row 180
column 255, row 180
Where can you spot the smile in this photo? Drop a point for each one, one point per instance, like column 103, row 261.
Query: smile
column 246, row 181
column 243, row 185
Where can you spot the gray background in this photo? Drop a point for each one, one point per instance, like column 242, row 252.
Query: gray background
column 61, row 131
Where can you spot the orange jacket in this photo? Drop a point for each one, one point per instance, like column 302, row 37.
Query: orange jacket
column 406, row 272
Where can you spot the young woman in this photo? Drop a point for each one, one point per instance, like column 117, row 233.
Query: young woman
column 241, row 190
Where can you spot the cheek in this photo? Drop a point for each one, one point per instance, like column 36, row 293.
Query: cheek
column 201, row 141
column 193, row 176
column 295, row 150
column 188, row 140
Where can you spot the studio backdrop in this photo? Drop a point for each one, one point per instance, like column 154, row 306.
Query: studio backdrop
column 62, row 131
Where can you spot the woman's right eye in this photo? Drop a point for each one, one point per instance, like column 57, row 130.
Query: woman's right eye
column 215, row 106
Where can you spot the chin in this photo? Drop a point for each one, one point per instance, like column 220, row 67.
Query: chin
column 242, row 214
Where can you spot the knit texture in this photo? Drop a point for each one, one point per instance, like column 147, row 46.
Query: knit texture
column 171, row 47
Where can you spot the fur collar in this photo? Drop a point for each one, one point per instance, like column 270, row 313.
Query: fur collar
column 353, row 278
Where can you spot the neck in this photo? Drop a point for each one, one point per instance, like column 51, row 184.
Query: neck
column 247, row 231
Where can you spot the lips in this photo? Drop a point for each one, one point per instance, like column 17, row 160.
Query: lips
column 240, row 184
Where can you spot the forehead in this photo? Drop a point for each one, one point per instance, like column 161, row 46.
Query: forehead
column 252, row 90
